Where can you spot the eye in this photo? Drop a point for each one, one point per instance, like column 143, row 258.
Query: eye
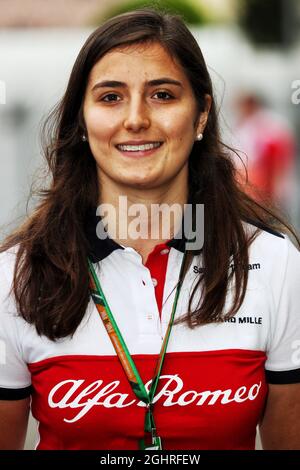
column 109, row 95
column 163, row 95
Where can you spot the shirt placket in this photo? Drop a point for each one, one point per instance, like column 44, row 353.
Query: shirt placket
column 144, row 301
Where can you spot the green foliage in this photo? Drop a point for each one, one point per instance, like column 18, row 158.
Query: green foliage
column 186, row 8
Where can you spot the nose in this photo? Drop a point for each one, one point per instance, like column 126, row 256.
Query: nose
column 137, row 115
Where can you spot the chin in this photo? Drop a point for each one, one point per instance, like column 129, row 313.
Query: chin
column 140, row 181
column 142, row 184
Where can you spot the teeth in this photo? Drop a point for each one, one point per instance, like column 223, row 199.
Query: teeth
column 135, row 148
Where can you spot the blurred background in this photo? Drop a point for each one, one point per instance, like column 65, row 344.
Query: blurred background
column 252, row 50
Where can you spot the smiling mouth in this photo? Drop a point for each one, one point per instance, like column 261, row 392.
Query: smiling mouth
column 139, row 148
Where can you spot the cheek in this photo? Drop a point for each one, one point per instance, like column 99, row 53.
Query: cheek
column 99, row 124
column 179, row 126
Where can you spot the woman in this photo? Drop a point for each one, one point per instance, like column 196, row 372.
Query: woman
column 102, row 314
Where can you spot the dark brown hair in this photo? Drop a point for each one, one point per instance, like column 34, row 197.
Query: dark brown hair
column 51, row 272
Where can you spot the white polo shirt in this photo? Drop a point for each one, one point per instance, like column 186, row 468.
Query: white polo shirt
column 213, row 385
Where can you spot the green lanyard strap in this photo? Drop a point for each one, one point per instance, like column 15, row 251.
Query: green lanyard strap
column 124, row 356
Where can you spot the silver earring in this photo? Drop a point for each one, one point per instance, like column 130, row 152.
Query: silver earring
column 84, row 138
column 199, row 136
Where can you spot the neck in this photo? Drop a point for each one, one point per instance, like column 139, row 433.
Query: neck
column 142, row 219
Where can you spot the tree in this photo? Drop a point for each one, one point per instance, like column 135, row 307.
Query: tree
column 191, row 13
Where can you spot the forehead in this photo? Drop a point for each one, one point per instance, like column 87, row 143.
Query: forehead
column 144, row 60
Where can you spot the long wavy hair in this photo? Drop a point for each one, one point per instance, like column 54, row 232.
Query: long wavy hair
column 51, row 281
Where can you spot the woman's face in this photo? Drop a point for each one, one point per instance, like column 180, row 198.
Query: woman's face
column 138, row 95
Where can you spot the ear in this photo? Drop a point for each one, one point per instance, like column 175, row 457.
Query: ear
column 81, row 121
column 203, row 116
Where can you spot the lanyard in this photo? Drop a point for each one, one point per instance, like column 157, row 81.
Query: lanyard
column 125, row 358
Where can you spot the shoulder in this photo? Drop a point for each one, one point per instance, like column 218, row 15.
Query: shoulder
column 268, row 241
column 277, row 255
column 7, row 301
column 7, row 264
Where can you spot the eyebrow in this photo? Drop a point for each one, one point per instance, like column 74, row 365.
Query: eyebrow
column 117, row 84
